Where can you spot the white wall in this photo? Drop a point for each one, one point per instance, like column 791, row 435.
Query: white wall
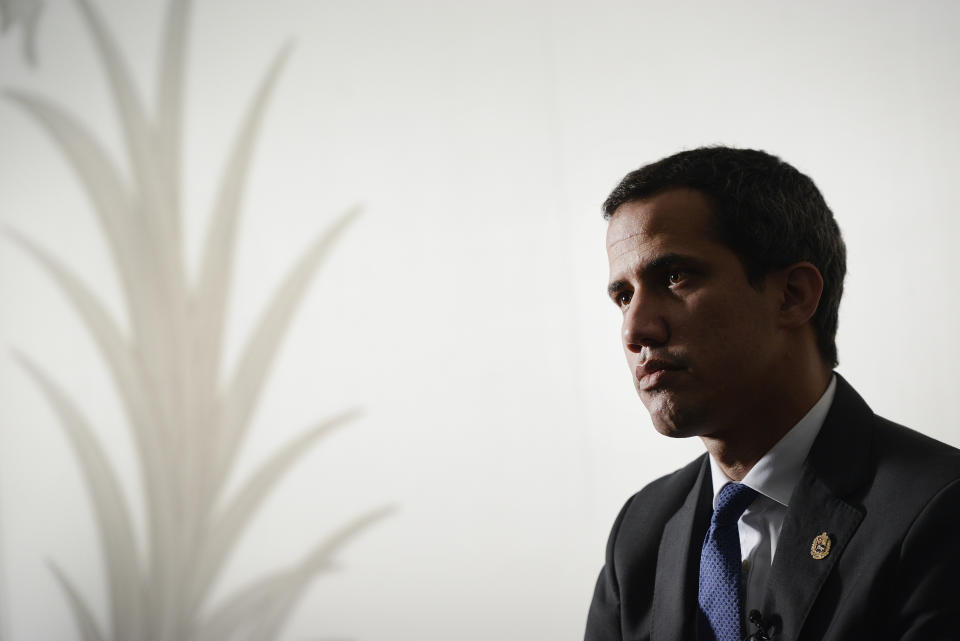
column 464, row 311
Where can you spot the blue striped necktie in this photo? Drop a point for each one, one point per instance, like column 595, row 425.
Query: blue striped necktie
column 720, row 615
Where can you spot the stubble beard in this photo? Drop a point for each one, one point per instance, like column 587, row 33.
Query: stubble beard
column 672, row 417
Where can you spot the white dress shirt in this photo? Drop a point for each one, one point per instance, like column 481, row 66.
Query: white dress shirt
column 774, row 477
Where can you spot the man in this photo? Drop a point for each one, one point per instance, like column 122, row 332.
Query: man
column 809, row 518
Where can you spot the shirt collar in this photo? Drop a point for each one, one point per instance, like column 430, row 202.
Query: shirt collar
column 778, row 471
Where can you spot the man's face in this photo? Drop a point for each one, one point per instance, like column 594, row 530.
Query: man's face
column 700, row 340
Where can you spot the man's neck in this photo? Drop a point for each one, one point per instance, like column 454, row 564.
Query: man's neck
column 736, row 451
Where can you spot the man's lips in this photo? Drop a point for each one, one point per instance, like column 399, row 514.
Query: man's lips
column 653, row 370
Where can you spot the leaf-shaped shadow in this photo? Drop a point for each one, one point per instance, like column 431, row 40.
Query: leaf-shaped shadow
column 158, row 208
column 158, row 224
column 113, row 346
column 128, row 105
column 244, row 389
column 227, row 529
column 138, row 403
column 263, row 606
column 169, row 105
column 111, row 199
column 27, row 14
column 214, row 279
column 89, row 629
column 129, row 108
column 210, row 300
column 187, row 431
column 110, row 507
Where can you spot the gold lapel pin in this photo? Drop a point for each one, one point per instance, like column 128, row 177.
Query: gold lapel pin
column 821, row 546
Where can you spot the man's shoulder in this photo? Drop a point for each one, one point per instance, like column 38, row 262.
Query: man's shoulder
column 661, row 498
column 907, row 458
column 904, row 442
column 888, row 471
column 854, row 437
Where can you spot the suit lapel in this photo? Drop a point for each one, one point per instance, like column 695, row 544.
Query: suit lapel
column 837, row 464
column 678, row 563
column 796, row 576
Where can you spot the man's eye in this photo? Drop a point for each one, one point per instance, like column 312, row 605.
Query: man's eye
column 623, row 299
column 676, row 276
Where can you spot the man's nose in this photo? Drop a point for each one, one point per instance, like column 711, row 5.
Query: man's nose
column 644, row 324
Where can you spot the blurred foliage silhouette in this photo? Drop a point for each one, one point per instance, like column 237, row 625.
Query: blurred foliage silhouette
column 25, row 13
column 187, row 428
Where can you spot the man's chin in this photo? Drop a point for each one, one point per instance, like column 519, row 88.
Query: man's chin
column 669, row 418
column 673, row 430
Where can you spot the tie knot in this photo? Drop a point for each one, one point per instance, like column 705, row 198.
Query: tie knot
column 733, row 499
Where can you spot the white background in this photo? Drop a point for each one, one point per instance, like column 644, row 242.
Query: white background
column 465, row 311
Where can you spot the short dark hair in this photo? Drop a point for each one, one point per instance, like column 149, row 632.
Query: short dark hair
column 770, row 214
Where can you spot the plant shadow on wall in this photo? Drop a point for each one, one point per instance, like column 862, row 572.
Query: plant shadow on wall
column 187, row 428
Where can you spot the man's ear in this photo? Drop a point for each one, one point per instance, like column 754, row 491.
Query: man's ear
column 802, row 286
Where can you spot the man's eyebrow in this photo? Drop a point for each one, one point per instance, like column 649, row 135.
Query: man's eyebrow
column 616, row 287
column 667, row 260
column 658, row 264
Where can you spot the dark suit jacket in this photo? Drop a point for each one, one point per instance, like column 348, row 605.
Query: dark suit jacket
column 889, row 499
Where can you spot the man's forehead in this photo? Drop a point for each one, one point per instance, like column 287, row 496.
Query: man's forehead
column 679, row 213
